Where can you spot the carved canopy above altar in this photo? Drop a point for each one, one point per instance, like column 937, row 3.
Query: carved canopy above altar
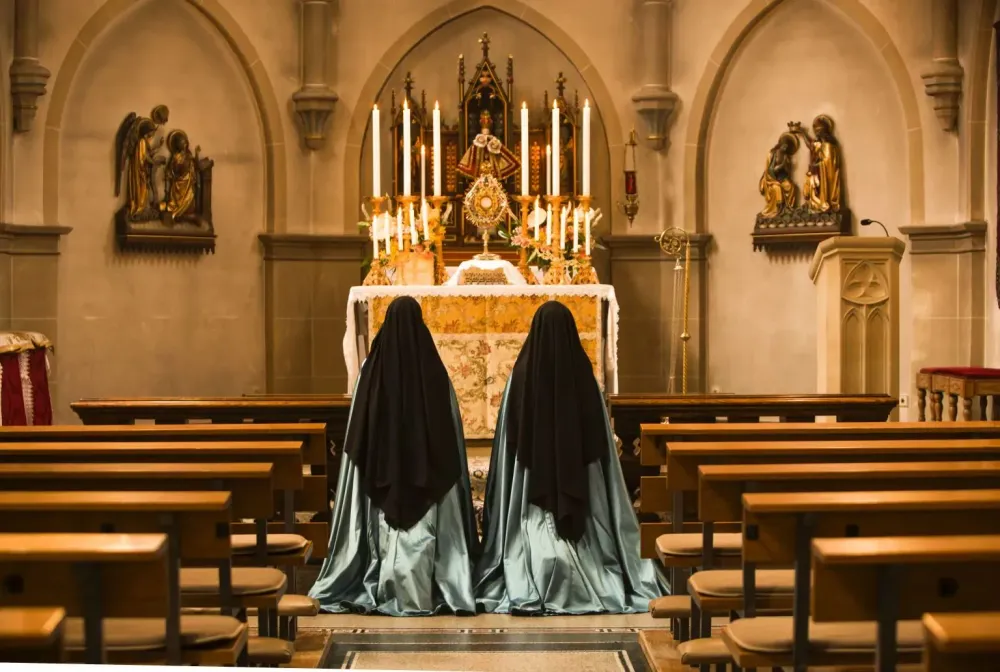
column 479, row 330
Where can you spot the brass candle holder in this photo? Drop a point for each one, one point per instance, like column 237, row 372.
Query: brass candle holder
column 556, row 272
column 585, row 274
column 376, row 271
column 437, row 235
column 522, row 264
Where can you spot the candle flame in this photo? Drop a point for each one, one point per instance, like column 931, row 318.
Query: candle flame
column 555, row 104
column 375, row 106
column 524, row 106
column 436, row 105
column 548, row 149
column 406, row 105
column 586, row 102
column 423, row 151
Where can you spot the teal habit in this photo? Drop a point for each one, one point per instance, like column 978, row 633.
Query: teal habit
column 560, row 535
column 403, row 536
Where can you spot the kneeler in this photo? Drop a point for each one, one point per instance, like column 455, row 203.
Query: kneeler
column 24, row 382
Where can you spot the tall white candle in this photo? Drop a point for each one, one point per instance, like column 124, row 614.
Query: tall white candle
column 376, row 158
column 407, row 147
column 385, row 231
column 437, row 150
column 548, row 225
column 399, row 228
column 562, row 227
column 413, row 226
column 525, row 167
column 586, row 148
column 374, row 228
column 536, row 215
column 586, row 229
column 423, row 172
column 576, row 230
column 548, row 169
column 423, row 216
column 555, row 148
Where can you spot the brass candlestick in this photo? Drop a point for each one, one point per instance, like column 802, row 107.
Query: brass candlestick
column 376, row 271
column 585, row 274
column 522, row 264
column 556, row 273
column 436, row 203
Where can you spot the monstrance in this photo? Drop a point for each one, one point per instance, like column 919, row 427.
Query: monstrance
column 485, row 206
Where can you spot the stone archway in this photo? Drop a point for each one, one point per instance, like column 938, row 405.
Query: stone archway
column 976, row 113
column 268, row 110
column 433, row 21
column 710, row 85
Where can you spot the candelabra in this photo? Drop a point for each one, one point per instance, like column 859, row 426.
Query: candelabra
column 522, row 264
column 585, row 274
column 554, row 251
column 437, row 234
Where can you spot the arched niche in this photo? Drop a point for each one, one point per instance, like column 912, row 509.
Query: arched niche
column 762, row 311
column 433, row 63
column 607, row 137
column 152, row 323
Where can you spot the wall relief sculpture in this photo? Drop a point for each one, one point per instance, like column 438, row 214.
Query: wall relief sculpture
column 176, row 218
column 822, row 213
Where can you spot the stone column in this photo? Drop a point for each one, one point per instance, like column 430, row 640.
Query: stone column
column 27, row 76
column 315, row 100
column 654, row 101
column 943, row 80
column 949, row 290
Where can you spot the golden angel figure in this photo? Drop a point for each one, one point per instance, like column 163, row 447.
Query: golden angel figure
column 822, row 189
column 487, row 154
column 135, row 158
column 776, row 184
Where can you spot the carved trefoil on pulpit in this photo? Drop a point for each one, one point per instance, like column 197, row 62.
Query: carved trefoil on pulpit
column 866, row 326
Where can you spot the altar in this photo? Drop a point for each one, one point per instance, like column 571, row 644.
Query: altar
column 479, row 330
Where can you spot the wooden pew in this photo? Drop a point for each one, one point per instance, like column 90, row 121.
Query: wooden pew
column 286, row 456
column 656, row 437
column 720, row 494
column 891, row 579
column 676, row 494
column 778, row 529
column 630, row 411
column 961, row 642
column 196, row 526
column 330, row 410
column 32, row 634
column 98, row 576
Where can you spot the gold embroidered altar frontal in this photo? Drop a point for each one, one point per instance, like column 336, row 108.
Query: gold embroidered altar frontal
column 479, row 337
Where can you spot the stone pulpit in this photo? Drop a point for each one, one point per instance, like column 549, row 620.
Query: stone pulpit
column 857, row 307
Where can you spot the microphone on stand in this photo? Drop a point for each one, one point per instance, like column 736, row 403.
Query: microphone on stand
column 869, row 222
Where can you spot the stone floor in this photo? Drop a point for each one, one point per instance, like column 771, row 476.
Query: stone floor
column 485, row 643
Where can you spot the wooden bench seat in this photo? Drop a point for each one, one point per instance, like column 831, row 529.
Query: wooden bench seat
column 192, row 523
column 101, row 576
column 779, row 527
column 888, row 579
column 32, row 634
column 961, row 642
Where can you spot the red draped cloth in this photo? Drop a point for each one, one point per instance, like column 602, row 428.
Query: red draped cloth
column 24, row 380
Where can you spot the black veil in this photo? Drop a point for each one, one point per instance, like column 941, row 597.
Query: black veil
column 401, row 435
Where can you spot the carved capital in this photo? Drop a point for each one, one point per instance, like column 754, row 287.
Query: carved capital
column 943, row 83
column 313, row 106
column 27, row 83
column 656, row 105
